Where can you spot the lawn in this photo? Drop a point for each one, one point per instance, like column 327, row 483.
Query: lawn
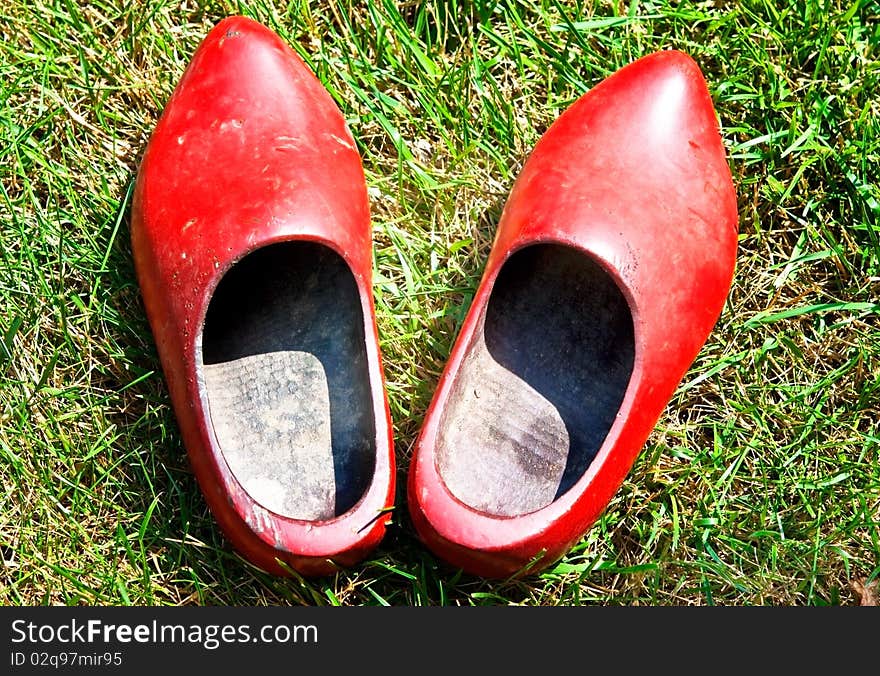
column 760, row 483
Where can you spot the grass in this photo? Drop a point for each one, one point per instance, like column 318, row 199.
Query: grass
column 761, row 482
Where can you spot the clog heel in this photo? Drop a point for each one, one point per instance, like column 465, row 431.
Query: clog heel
column 252, row 245
column 611, row 263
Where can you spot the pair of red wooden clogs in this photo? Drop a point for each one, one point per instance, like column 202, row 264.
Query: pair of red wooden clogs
column 251, row 237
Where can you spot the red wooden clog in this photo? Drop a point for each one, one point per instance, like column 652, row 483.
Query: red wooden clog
column 252, row 243
column 610, row 266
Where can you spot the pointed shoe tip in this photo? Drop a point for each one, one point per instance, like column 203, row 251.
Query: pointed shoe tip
column 671, row 59
column 242, row 55
column 672, row 64
column 238, row 21
column 672, row 93
column 238, row 26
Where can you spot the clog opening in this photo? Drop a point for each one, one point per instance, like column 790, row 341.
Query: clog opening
column 284, row 366
column 540, row 385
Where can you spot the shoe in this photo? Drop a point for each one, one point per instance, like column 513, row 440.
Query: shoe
column 252, row 244
column 612, row 261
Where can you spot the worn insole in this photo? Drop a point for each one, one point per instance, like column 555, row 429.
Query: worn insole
column 285, row 372
column 541, row 383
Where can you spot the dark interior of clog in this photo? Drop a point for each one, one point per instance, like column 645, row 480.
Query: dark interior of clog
column 541, row 384
column 284, row 367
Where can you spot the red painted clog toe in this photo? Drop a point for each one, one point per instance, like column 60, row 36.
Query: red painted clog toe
column 252, row 244
column 612, row 261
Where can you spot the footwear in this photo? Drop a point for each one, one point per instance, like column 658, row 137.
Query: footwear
column 612, row 261
column 252, row 243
